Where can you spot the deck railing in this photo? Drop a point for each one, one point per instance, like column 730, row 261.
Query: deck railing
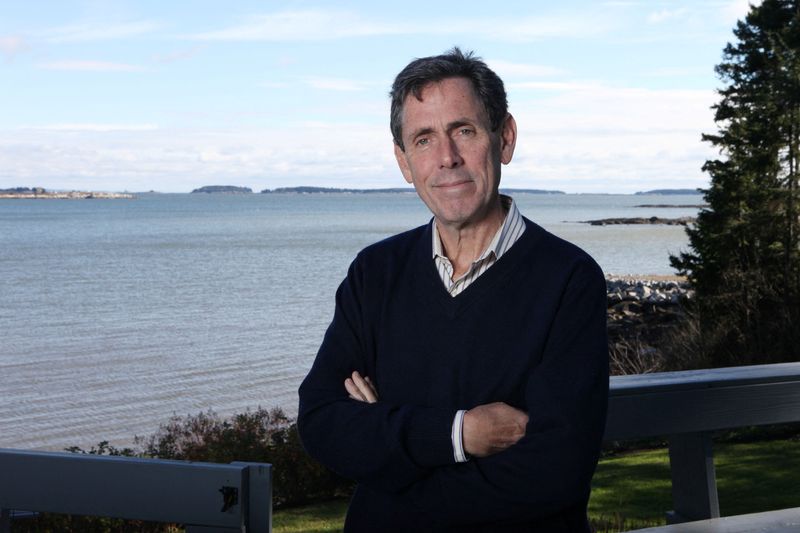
column 203, row 496
column 687, row 407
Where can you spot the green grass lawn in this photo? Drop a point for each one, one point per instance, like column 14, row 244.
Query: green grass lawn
column 325, row 517
column 632, row 490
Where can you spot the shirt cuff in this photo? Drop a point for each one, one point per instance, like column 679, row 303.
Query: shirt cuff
column 456, row 435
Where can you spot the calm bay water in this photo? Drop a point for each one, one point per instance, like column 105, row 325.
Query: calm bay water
column 116, row 314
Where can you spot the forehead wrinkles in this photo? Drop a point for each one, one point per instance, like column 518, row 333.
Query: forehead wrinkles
column 447, row 96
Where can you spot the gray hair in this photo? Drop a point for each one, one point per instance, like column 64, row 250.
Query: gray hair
column 419, row 73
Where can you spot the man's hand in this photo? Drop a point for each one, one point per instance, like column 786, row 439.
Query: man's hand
column 491, row 428
column 361, row 389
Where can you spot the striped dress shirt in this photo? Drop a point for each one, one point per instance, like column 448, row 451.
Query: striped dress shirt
column 510, row 231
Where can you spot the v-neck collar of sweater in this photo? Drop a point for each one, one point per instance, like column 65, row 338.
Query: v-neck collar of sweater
column 455, row 305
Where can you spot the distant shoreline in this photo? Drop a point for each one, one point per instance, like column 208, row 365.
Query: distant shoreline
column 37, row 193
column 41, row 193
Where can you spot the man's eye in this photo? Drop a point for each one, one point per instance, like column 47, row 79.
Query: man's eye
column 423, row 141
column 466, row 131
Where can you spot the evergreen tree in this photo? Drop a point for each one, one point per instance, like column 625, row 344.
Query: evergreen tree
column 745, row 256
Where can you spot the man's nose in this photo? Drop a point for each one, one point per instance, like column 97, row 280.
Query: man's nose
column 449, row 155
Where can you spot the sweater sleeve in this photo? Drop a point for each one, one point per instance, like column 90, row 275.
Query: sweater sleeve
column 550, row 468
column 382, row 445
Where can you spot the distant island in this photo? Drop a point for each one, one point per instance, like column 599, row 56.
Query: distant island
column 670, row 191
column 40, row 193
column 223, row 189
column 682, row 221
column 305, row 189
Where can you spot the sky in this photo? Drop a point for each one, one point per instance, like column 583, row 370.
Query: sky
column 123, row 95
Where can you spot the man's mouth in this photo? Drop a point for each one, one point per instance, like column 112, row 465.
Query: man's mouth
column 452, row 184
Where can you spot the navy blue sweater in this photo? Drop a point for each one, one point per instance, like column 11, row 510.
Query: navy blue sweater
column 531, row 332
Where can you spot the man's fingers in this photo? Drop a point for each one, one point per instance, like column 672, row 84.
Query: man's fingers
column 353, row 391
column 365, row 387
column 360, row 388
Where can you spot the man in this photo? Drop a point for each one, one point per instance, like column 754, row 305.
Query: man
column 463, row 380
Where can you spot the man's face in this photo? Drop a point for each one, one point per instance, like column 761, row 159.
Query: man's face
column 451, row 156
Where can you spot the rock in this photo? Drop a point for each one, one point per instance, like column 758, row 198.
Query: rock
column 643, row 292
column 681, row 221
column 613, row 298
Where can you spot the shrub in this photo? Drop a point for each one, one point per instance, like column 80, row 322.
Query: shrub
column 262, row 435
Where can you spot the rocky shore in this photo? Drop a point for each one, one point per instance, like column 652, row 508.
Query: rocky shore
column 656, row 289
column 640, row 312
column 40, row 193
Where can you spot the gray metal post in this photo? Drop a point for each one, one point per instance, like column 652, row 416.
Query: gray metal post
column 694, row 483
column 258, row 513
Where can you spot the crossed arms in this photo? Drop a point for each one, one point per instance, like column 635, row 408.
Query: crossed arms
column 488, row 428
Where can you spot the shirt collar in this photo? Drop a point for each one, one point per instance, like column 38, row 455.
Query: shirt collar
column 512, row 219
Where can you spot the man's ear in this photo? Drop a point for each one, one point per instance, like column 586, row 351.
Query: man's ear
column 508, row 139
column 400, row 156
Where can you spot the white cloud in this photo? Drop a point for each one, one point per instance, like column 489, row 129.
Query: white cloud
column 170, row 160
column 319, row 25
column 311, row 25
column 98, row 31
column 552, row 85
column 335, row 84
column 726, row 12
column 11, row 45
column 585, row 137
column 91, row 66
column 507, row 69
column 592, row 137
column 735, row 10
column 589, row 23
column 322, row 83
column 177, row 55
column 577, row 136
column 274, row 84
column 674, row 72
column 664, row 15
column 600, row 104
column 95, row 127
